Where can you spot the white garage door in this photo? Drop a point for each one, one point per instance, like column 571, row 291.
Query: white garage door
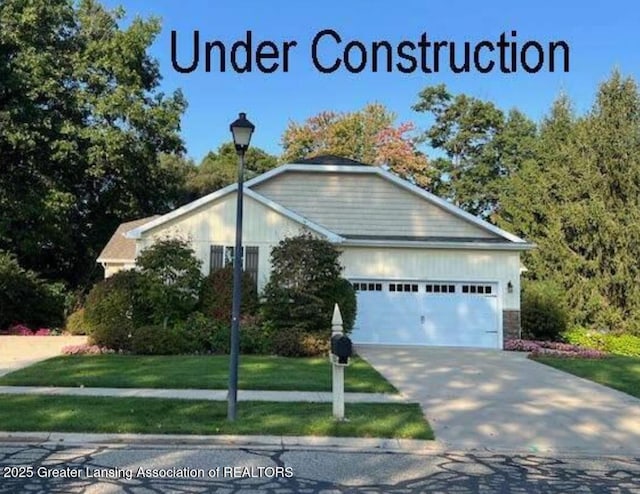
column 427, row 313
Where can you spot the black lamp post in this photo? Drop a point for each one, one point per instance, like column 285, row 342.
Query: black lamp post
column 241, row 130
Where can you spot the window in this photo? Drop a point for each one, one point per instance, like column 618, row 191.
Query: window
column 403, row 287
column 223, row 255
column 367, row 287
column 439, row 288
column 216, row 260
column 478, row 289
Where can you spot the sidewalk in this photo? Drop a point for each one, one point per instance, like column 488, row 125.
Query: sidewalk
column 204, row 394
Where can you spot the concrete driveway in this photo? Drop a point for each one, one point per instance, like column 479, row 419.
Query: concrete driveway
column 20, row 351
column 503, row 401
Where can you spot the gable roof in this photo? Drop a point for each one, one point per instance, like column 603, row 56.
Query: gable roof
column 330, row 159
column 340, row 165
column 121, row 248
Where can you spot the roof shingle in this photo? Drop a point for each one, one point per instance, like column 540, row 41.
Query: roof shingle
column 120, row 248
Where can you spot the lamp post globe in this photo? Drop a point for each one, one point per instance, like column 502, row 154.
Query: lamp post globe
column 241, row 129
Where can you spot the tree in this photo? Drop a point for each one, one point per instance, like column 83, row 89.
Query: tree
column 82, row 126
column 578, row 199
column 220, row 168
column 305, row 284
column 369, row 135
column 174, row 279
column 463, row 128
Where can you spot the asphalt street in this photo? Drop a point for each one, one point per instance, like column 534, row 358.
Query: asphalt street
column 56, row 468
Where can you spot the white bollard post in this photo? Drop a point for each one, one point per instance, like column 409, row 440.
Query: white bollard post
column 337, row 370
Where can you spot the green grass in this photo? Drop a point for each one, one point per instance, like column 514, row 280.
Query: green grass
column 621, row 373
column 168, row 416
column 204, row 372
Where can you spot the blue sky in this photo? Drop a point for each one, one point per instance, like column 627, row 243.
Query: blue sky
column 602, row 36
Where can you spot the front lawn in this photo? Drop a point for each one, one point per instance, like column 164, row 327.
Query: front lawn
column 168, row 416
column 621, row 373
column 204, row 372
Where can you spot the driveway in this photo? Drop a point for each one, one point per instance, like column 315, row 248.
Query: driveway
column 20, row 351
column 503, row 401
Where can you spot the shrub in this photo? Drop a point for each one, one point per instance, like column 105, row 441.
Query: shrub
column 116, row 306
column 85, row 349
column 619, row 344
column 305, row 284
column 624, row 344
column 160, row 340
column 173, row 279
column 343, row 294
column 552, row 349
column 216, row 295
column 583, row 337
column 25, row 298
column 583, row 353
column 543, row 311
column 255, row 337
column 19, row 330
column 299, row 342
column 205, row 335
column 75, row 324
column 22, row 330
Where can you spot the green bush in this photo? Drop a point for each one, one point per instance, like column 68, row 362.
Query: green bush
column 160, row 340
column 216, row 295
column 255, row 336
column 583, row 337
column 543, row 311
column 305, row 284
column 343, row 294
column 619, row 344
column 299, row 342
column 75, row 324
column 174, row 279
column 26, row 299
column 205, row 335
column 116, row 306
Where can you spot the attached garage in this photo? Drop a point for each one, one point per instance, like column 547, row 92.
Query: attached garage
column 465, row 314
column 426, row 272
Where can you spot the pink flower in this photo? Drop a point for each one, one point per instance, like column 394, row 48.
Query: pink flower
column 85, row 349
column 20, row 330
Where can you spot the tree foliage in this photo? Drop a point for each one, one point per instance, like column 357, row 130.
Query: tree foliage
column 578, row 199
column 481, row 147
column 82, row 126
column 26, row 299
column 305, row 284
column 173, row 279
column 369, row 135
column 220, row 168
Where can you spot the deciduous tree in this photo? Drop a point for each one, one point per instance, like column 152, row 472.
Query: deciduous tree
column 369, row 135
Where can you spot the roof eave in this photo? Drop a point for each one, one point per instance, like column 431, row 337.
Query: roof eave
column 413, row 244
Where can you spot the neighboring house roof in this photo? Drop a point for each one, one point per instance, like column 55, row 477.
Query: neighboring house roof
column 332, row 164
column 330, row 159
column 121, row 248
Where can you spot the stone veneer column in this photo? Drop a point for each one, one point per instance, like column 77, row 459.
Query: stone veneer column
column 511, row 324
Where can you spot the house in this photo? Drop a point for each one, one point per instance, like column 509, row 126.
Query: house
column 425, row 271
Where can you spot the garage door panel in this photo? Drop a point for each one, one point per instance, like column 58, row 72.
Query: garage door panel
column 421, row 318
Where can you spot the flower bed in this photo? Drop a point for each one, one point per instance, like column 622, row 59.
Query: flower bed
column 552, row 349
column 85, row 349
column 22, row 330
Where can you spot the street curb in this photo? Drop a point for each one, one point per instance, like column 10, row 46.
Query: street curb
column 342, row 444
column 281, row 442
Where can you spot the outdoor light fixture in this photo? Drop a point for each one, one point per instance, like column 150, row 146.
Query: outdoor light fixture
column 510, row 287
column 241, row 130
